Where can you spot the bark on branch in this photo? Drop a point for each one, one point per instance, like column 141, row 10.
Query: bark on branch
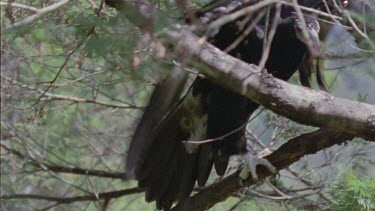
column 286, row 155
column 300, row 104
column 303, row 105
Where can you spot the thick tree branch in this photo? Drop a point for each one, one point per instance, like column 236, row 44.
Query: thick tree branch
column 303, row 105
column 300, row 104
column 286, row 155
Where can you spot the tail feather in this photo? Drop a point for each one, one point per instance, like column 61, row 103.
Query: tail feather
column 188, row 176
column 165, row 95
column 169, row 196
column 159, row 184
column 160, row 151
column 165, row 160
column 165, row 170
column 305, row 71
column 205, row 163
column 221, row 160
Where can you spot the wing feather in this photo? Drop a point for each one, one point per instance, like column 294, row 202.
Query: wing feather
column 165, row 95
column 205, row 163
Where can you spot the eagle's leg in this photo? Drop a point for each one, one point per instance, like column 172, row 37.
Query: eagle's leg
column 250, row 164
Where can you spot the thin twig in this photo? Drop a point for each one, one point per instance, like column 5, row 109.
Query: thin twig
column 269, row 38
column 67, row 200
column 18, row 5
column 71, row 98
column 39, row 13
column 64, row 169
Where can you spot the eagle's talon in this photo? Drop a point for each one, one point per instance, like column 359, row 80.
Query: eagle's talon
column 250, row 164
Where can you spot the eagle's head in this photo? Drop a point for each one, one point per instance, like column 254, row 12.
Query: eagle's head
column 308, row 33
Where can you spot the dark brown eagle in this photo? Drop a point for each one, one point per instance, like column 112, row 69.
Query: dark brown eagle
column 158, row 159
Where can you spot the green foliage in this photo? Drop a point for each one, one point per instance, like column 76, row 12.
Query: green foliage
column 353, row 192
column 90, row 53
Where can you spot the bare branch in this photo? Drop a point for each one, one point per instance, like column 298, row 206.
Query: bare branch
column 65, row 169
column 22, row 6
column 300, row 104
column 358, row 30
column 39, row 13
column 72, row 98
column 286, row 155
column 61, row 200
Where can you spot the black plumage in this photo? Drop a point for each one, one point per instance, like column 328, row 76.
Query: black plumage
column 158, row 159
